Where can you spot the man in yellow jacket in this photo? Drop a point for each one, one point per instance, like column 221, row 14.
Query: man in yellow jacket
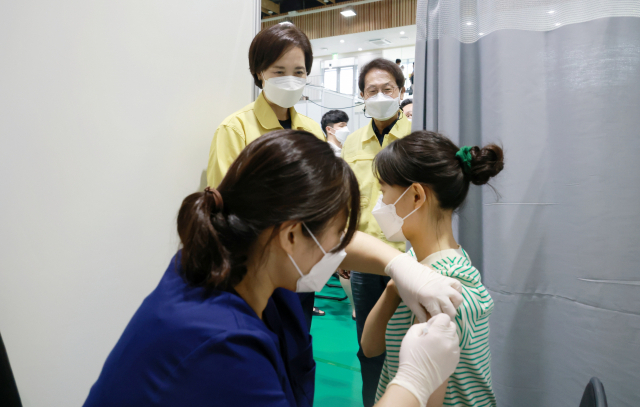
column 381, row 84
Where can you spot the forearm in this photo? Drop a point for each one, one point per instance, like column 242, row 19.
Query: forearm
column 398, row 396
column 372, row 341
column 367, row 254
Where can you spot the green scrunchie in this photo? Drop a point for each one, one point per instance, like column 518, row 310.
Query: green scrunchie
column 464, row 154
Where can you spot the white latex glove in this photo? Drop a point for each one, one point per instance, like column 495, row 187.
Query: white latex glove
column 422, row 288
column 428, row 356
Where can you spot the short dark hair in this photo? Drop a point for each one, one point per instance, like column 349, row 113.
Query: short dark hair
column 285, row 175
column 271, row 43
column 405, row 103
column 385, row 65
column 398, row 61
column 332, row 117
column 429, row 158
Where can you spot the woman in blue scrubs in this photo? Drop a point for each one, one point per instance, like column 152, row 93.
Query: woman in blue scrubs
column 224, row 326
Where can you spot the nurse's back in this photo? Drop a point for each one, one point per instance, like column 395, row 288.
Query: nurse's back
column 184, row 347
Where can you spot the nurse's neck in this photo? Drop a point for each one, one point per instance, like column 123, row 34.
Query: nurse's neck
column 282, row 113
column 256, row 288
column 431, row 234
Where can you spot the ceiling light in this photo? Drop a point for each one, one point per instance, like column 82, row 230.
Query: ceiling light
column 480, row 33
column 469, row 23
column 341, row 41
column 557, row 24
column 348, row 13
column 359, row 49
column 380, row 41
column 401, row 32
column 551, row 11
column 324, row 49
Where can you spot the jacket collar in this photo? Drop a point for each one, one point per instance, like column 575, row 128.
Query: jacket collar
column 399, row 130
column 268, row 119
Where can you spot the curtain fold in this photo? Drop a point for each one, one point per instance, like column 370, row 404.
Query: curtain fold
column 557, row 246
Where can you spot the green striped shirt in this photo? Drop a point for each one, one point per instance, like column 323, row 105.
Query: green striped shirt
column 470, row 384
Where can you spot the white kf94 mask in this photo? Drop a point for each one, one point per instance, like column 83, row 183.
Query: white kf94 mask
column 284, row 91
column 321, row 272
column 388, row 219
column 381, row 106
column 342, row 134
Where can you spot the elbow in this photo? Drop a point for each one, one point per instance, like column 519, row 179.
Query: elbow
column 368, row 350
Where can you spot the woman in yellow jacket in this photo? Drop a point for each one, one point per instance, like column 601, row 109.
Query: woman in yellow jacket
column 280, row 59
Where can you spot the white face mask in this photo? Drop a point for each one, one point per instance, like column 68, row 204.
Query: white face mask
column 284, row 91
column 382, row 107
column 389, row 221
column 341, row 134
column 321, row 272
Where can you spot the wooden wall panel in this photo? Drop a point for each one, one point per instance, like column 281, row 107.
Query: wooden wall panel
column 371, row 16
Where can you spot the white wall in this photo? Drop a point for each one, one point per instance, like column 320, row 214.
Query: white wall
column 107, row 110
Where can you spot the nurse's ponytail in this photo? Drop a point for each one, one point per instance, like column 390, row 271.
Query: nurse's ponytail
column 282, row 176
column 204, row 258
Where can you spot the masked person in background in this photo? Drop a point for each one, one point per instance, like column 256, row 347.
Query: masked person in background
column 280, row 59
column 334, row 124
column 407, row 108
column 381, row 86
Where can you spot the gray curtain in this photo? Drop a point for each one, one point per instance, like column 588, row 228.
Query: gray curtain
column 558, row 244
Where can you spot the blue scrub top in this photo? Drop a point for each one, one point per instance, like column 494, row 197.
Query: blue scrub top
column 185, row 348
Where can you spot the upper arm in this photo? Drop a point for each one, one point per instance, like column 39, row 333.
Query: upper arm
column 472, row 316
column 233, row 370
column 373, row 334
column 226, row 146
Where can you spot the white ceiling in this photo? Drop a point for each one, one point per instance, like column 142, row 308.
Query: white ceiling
column 361, row 40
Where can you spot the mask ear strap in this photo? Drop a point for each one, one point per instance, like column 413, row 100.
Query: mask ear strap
column 314, row 238
column 411, row 213
column 295, row 265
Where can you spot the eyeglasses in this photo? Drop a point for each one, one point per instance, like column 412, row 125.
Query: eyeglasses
column 372, row 90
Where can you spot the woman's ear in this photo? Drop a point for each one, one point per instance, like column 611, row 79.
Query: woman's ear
column 419, row 195
column 288, row 235
column 402, row 93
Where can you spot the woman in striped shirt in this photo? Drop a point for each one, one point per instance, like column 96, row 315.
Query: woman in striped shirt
column 424, row 178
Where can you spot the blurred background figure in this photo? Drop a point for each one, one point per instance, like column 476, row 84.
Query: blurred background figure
column 334, row 124
column 407, row 108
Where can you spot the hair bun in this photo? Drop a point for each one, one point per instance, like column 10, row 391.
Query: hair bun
column 213, row 199
column 485, row 163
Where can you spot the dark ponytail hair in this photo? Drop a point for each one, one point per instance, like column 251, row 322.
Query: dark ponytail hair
column 429, row 158
column 283, row 175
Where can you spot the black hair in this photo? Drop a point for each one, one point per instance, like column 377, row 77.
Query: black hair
column 429, row 158
column 398, row 61
column 332, row 117
column 271, row 43
column 405, row 103
column 385, row 65
column 285, row 175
